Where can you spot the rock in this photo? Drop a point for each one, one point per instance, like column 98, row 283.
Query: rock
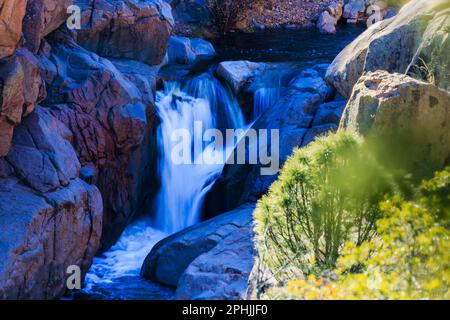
column 130, row 29
column 392, row 45
column 110, row 115
column 390, row 13
column 203, row 49
column 43, row 17
column 326, row 23
column 11, row 102
column 169, row 259
column 317, row 131
column 311, row 81
column 21, row 88
column 395, row 105
column 187, row 51
column 190, row 11
column 42, row 154
column 353, row 10
column 329, row 18
column 11, row 16
column 238, row 73
column 434, row 50
column 49, row 224
column 223, row 272
column 329, row 113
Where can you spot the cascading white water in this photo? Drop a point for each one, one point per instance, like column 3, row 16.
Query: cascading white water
column 183, row 186
column 266, row 93
column 264, row 98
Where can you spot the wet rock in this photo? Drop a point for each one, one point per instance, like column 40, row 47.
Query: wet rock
column 393, row 45
column 49, row 218
column 238, row 74
column 170, row 258
column 187, row 51
column 11, row 16
column 132, row 29
column 395, row 105
column 43, row 17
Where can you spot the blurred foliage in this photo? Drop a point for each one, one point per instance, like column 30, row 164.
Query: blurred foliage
column 409, row 259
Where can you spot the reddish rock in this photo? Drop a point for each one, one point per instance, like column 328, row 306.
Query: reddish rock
column 11, row 100
column 11, row 15
column 22, row 87
column 42, row 17
column 131, row 29
column 49, row 218
column 109, row 114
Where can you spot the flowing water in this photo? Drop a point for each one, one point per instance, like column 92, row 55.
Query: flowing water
column 115, row 274
column 205, row 102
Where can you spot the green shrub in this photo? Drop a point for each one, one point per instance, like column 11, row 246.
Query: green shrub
column 409, row 259
column 327, row 195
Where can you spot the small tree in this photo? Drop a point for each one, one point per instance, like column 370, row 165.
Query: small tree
column 225, row 13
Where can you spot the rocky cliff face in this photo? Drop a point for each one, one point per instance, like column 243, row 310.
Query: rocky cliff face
column 74, row 133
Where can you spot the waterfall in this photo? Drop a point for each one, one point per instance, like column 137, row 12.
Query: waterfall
column 204, row 100
column 266, row 93
column 264, row 98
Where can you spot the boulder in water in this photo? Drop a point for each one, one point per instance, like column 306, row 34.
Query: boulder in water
column 238, row 74
column 171, row 257
column 187, row 51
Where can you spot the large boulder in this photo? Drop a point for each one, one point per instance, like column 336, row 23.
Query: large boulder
column 43, row 17
column 49, row 218
column 398, row 105
column 11, row 16
column 133, row 29
column 171, row 257
column 238, row 74
column 110, row 114
column 419, row 31
column 223, row 272
column 187, row 51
